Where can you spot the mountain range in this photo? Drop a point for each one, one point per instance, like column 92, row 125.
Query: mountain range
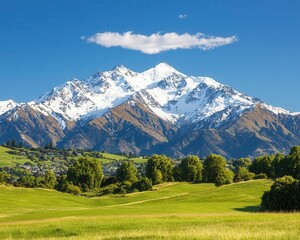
column 160, row 110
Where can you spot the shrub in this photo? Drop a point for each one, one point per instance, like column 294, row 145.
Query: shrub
column 143, row 184
column 283, row 196
column 261, row 176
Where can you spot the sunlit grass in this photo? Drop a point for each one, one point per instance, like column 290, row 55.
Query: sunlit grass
column 10, row 160
column 171, row 211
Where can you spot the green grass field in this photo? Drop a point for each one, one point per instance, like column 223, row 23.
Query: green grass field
column 170, row 211
column 109, row 157
column 10, row 160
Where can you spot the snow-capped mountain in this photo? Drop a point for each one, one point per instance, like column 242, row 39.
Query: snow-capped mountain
column 154, row 102
column 6, row 106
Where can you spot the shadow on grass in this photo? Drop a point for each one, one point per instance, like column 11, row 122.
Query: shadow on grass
column 248, row 209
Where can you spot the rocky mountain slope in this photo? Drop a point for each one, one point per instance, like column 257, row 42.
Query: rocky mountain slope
column 160, row 110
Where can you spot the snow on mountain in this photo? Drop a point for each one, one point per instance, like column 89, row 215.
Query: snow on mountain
column 7, row 105
column 170, row 94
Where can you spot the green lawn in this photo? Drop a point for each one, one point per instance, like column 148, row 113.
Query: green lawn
column 10, row 160
column 109, row 157
column 171, row 211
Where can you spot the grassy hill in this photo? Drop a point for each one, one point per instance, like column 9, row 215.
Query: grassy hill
column 10, row 160
column 170, row 211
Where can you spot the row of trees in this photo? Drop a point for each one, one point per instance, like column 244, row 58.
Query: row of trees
column 278, row 165
column 160, row 168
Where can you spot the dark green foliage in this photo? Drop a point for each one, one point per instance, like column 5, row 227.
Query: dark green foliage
column 144, row 184
column 291, row 163
column 4, row 177
column 277, row 165
column 243, row 175
column 191, row 169
column 236, row 163
column 263, row 164
column 108, row 181
column 283, row 196
column 127, row 172
column 159, row 168
column 260, row 176
column 214, row 170
column 86, row 171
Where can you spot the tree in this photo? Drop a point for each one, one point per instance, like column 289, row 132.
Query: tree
column 263, row 165
column 283, row 196
column 278, row 165
column 242, row 162
column 127, row 172
column 291, row 163
column 86, row 172
column 159, row 168
column 70, row 188
column 4, row 177
column 156, row 176
column 50, row 179
column 243, row 175
column 144, row 184
column 214, row 170
column 191, row 169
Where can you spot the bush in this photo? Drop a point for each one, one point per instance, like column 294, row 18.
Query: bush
column 243, row 175
column 143, row 184
column 283, row 196
column 261, row 176
column 75, row 190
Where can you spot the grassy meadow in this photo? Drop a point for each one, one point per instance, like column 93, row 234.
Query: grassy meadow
column 170, row 211
column 10, row 160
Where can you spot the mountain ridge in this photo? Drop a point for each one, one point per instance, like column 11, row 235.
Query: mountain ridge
column 150, row 103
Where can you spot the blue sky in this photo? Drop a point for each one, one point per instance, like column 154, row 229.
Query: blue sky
column 42, row 45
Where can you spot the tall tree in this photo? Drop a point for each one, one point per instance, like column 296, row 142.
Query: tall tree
column 159, row 168
column 263, row 165
column 50, row 179
column 191, row 169
column 86, row 173
column 127, row 172
column 214, row 170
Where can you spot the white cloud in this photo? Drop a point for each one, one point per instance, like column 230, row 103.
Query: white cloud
column 182, row 16
column 156, row 42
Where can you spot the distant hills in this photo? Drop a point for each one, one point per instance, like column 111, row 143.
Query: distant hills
column 160, row 110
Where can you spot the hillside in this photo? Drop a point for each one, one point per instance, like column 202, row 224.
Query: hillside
column 172, row 210
column 160, row 110
column 10, row 160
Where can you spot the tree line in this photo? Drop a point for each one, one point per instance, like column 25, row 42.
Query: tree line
column 85, row 175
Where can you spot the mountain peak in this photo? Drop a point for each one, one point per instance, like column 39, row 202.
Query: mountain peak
column 163, row 66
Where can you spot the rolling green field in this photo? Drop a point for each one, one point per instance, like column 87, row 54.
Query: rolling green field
column 10, row 160
column 170, row 211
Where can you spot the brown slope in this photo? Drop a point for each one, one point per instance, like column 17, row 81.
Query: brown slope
column 30, row 126
column 129, row 127
column 258, row 131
